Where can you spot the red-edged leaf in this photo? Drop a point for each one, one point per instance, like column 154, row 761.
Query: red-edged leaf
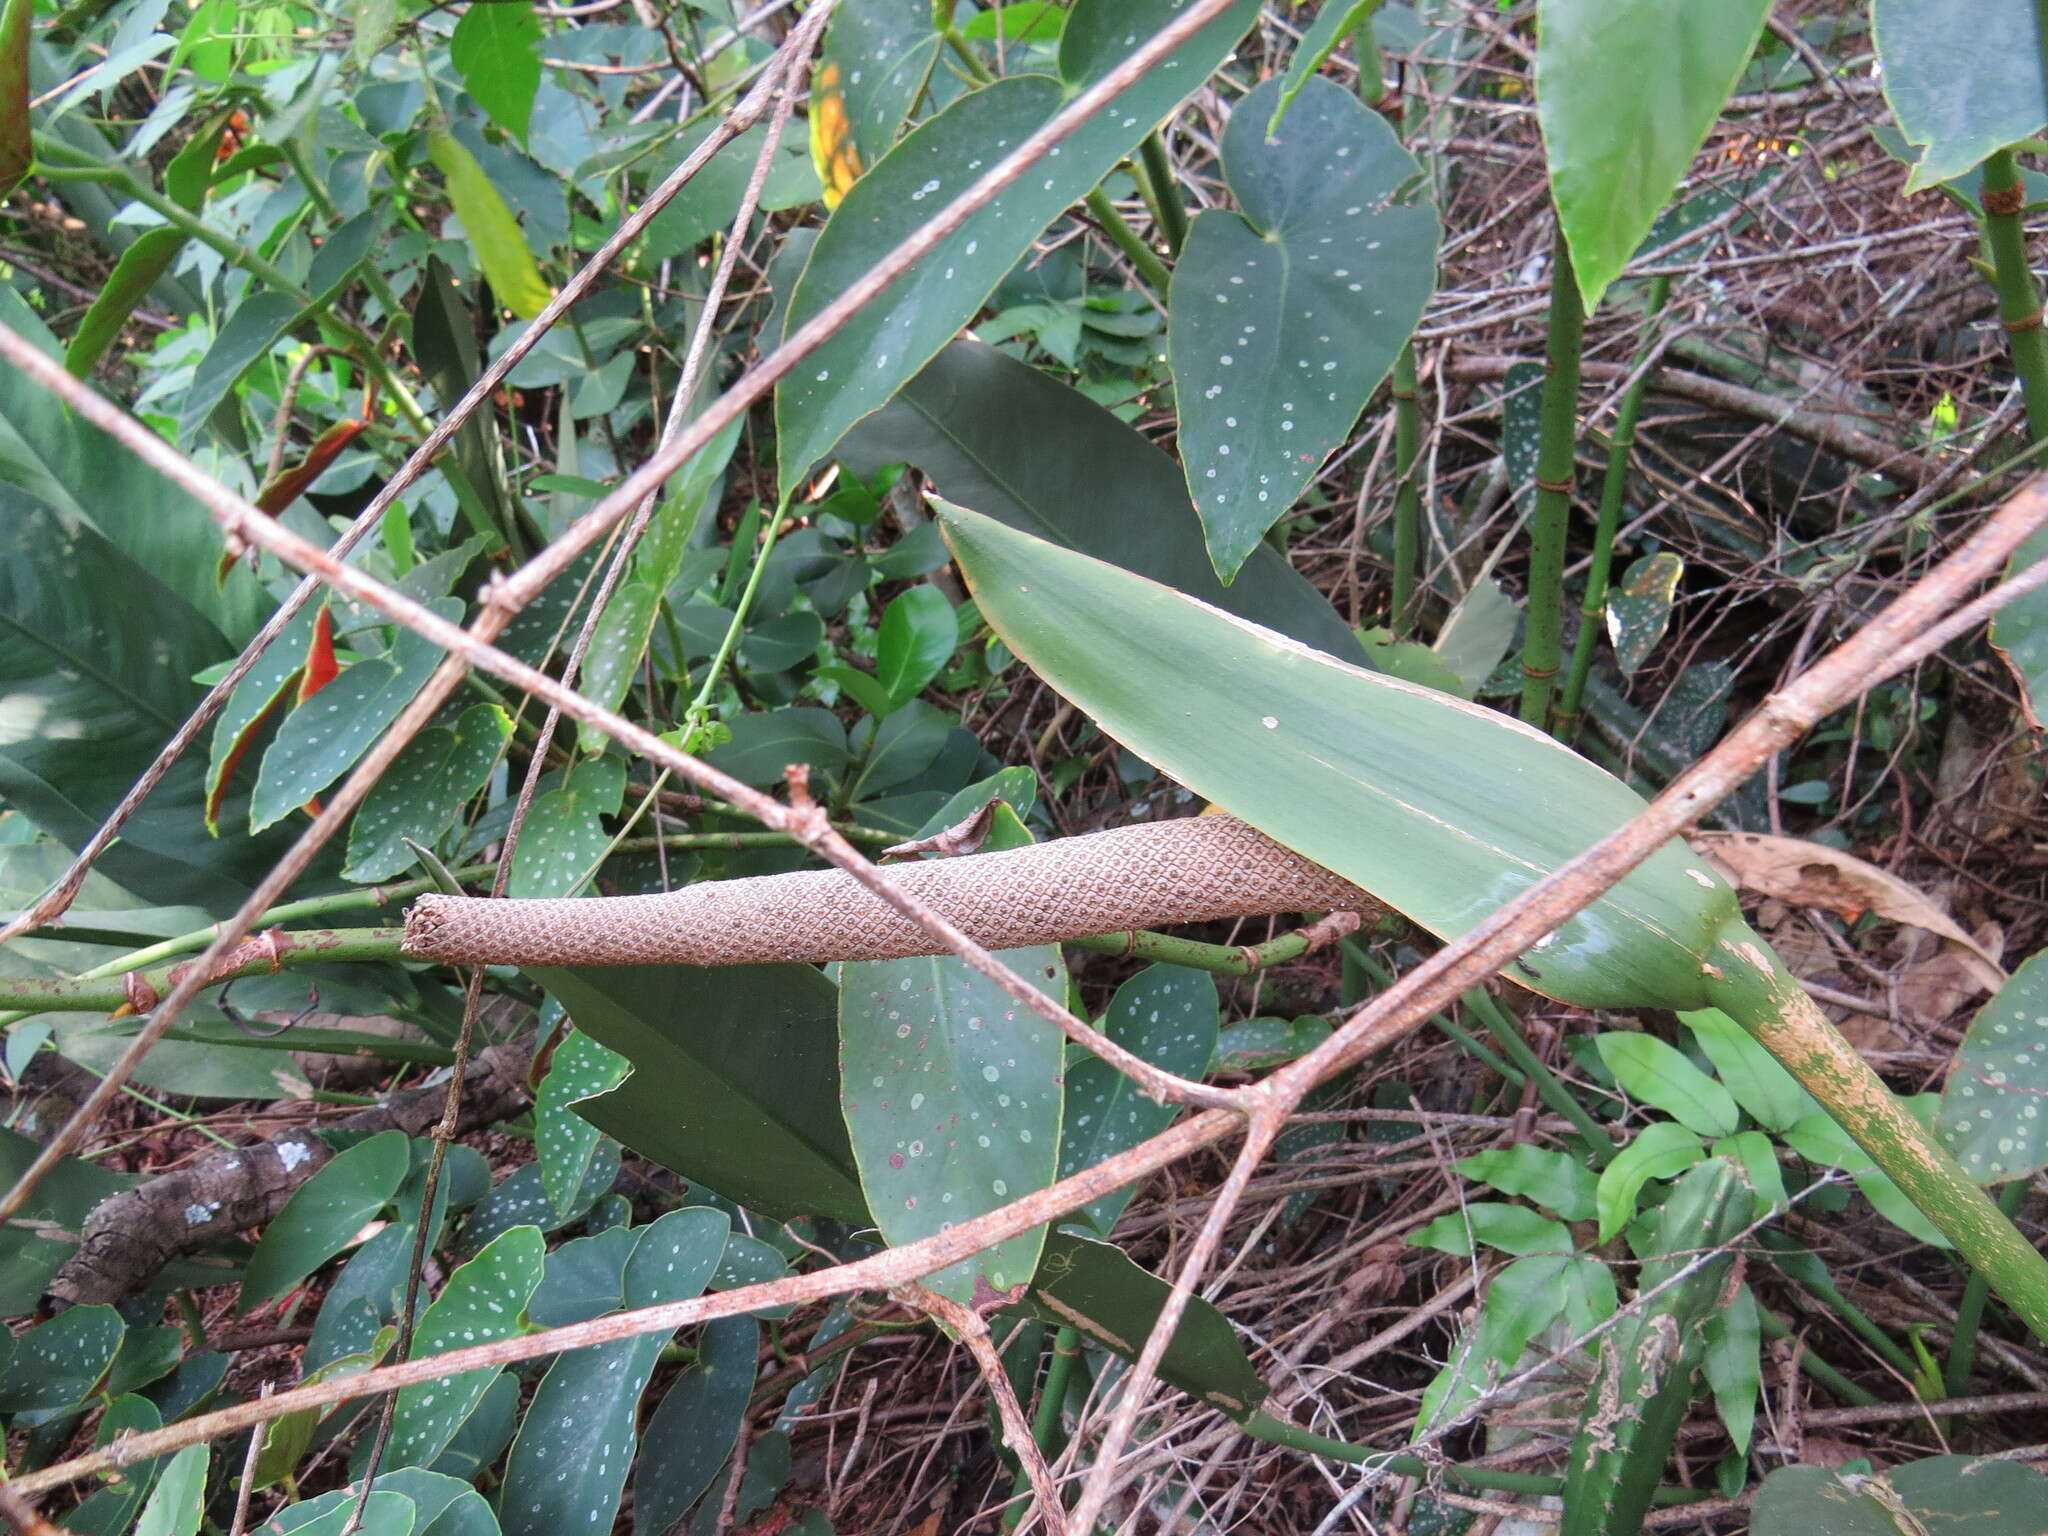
column 321, row 667
column 287, row 485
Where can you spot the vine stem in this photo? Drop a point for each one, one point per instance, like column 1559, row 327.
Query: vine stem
column 1556, row 446
column 1612, row 486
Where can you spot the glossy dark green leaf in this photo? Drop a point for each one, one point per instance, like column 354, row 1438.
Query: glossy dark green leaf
column 334, row 1514
column 138, row 271
column 1639, row 608
column 1254, row 1045
column 1960, row 92
column 1992, row 1110
column 483, row 1300
column 898, row 333
column 1286, row 316
column 59, row 1363
column 485, row 1434
column 565, row 835
column 321, row 739
column 365, row 1295
column 59, row 459
column 1957, row 1495
column 1434, row 792
column 585, row 1278
column 496, row 50
column 421, row 794
column 111, row 1511
column 563, row 1141
column 978, row 423
column 444, row 344
column 881, row 53
column 1094, row 1287
column 518, row 1200
column 1168, row 1015
column 905, row 745
column 735, row 1080
column 952, row 1093
column 2019, row 632
column 1626, row 94
column 568, row 1466
column 65, row 1197
column 915, row 642
column 691, row 1434
column 443, row 1505
column 248, row 334
column 764, row 744
column 323, row 1215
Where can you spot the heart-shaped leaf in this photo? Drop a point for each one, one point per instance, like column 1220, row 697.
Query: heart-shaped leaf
column 1424, row 800
column 1286, row 316
column 897, row 334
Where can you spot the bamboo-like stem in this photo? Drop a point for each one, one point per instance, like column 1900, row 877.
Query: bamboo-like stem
column 1754, row 988
column 1555, row 448
column 1125, row 238
column 1407, row 490
column 1593, row 606
column 1962, row 1344
column 2019, row 302
column 1600, row 1147
column 1812, row 1277
column 1165, row 200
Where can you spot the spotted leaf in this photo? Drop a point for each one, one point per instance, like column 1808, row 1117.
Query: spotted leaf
column 421, row 794
column 568, row 1466
column 1992, row 1114
column 1286, row 315
column 952, row 1097
column 564, row 1142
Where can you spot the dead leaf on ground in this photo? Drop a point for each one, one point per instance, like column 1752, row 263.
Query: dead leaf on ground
column 1809, row 874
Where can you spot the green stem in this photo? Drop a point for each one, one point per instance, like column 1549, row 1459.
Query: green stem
column 699, row 712
column 2019, row 302
column 310, row 947
column 1600, row 1147
column 1555, row 448
column 1962, row 1346
column 1165, row 200
column 1370, row 964
column 1751, row 985
column 1263, row 1426
column 1594, row 605
column 1046, row 1428
column 1809, row 1274
column 1219, row 959
column 1372, row 71
column 1407, row 489
column 1775, row 1327
column 1142, row 256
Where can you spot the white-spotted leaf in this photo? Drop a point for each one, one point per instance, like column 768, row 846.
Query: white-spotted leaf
column 1994, row 1110
column 422, row 792
column 565, row 834
column 691, row 1434
column 1168, row 1015
column 568, row 1466
column 952, row 1093
column 1286, row 316
column 564, row 1142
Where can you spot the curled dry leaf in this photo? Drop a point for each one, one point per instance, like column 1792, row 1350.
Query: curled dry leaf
column 1810, row 874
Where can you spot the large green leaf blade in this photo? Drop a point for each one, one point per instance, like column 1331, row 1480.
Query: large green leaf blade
column 1960, row 91
column 735, row 1080
column 1286, row 318
column 1626, row 91
column 952, row 1092
column 483, row 1301
column 898, row 333
column 1443, row 809
column 1016, row 444
column 690, row 1435
column 1991, row 1109
column 323, row 1214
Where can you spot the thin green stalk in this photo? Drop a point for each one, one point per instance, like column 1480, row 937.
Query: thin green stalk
column 1593, row 606
column 1407, row 489
column 310, row 947
column 1555, row 448
column 1218, row 959
column 698, row 715
column 1775, row 1327
column 2019, row 302
column 1962, row 1345
column 1165, row 200
column 1365, row 960
column 1811, row 1276
column 1751, row 985
column 1142, row 256
column 1046, row 1426
column 1263, row 1426
column 1600, row 1147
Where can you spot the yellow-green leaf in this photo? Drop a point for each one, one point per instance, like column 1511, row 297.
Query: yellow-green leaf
column 493, row 233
